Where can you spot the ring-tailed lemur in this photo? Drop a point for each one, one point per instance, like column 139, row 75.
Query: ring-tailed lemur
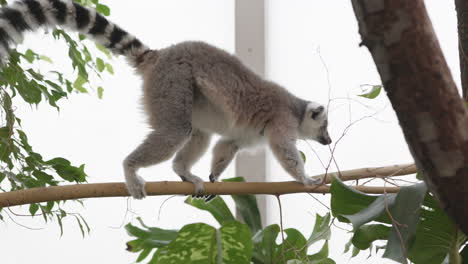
column 191, row 90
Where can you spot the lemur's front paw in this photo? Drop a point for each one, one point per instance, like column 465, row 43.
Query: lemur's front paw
column 198, row 184
column 136, row 187
column 312, row 180
column 212, row 178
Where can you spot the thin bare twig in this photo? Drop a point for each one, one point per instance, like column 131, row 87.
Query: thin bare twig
column 162, row 204
column 24, row 226
column 317, row 200
column 281, row 223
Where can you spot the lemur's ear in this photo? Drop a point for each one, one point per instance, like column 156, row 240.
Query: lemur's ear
column 317, row 111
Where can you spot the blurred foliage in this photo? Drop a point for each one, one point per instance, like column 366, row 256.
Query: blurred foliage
column 234, row 242
column 410, row 225
column 20, row 79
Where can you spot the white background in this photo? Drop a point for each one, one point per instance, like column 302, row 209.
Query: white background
column 100, row 133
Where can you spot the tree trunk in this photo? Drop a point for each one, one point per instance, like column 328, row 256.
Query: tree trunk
column 400, row 37
column 462, row 16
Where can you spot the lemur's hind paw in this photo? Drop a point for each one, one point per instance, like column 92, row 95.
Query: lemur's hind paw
column 136, row 187
column 200, row 194
column 198, row 184
column 312, row 181
column 210, row 197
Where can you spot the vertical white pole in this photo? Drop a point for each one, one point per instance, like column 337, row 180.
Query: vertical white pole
column 250, row 48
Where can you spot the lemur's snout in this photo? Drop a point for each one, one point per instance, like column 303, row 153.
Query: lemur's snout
column 325, row 141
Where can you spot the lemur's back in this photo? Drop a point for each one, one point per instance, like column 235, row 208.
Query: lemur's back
column 224, row 86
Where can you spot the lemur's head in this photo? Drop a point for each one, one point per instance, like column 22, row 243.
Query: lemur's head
column 314, row 124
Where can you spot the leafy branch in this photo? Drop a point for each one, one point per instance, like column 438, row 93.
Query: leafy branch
column 22, row 167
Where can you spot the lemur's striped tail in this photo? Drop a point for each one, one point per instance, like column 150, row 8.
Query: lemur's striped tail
column 29, row 15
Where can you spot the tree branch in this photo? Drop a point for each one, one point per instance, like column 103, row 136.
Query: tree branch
column 80, row 191
column 418, row 82
column 462, row 16
column 117, row 189
column 376, row 172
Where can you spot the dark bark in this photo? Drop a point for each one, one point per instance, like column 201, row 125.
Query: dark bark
column 418, row 82
column 462, row 16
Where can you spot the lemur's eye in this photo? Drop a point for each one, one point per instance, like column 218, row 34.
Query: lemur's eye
column 316, row 112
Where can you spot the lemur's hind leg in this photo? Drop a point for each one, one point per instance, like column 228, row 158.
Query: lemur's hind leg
column 156, row 148
column 168, row 101
column 223, row 153
column 188, row 155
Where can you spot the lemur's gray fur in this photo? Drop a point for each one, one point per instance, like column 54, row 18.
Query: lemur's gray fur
column 191, row 90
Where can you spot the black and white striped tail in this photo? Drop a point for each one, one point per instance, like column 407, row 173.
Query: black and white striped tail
column 29, row 15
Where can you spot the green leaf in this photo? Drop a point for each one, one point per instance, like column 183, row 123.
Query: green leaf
column 50, row 205
column 2, row 176
column 109, row 68
column 236, row 243
column 35, row 75
column 265, row 244
column 355, row 251
column 144, row 253
column 346, row 201
column 216, row 207
column 45, row 58
column 44, row 177
column 293, row 247
column 29, row 55
column 66, row 171
column 5, row 132
column 373, row 92
column 59, row 220
column 100, row 64
column 58, row 161
column 103, row 9
column 321, row 229
column 29, row 91
column 347, row 246
column 322, row 254
column 373, row 211
column 24, row 141
column 435, row 234
column 232, row 243
column 194, row 244
column 406, row 213
column 81, row 226
column 33, row 208
column 247, row 207
column 366, row 234
column 103, row 50
column 78, row 84
column 150, row 237
column 100, row 92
